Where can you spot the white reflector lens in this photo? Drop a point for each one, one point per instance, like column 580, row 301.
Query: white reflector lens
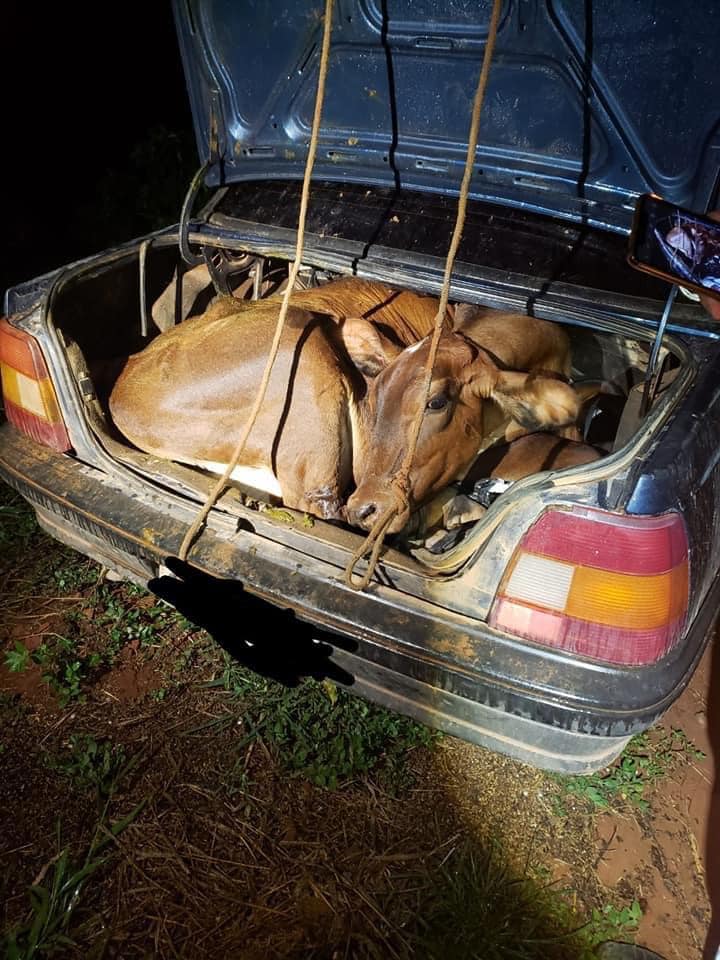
column 541, row 581
column 29, row 394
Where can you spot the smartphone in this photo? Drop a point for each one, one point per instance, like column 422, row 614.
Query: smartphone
column 676, row 244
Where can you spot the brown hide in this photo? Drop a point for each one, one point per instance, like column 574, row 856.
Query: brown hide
column 510, row 461
column 401, row 315
column 186, row 395
column 325, row 419
column 514, row 340
column 464, row 379
column 528, row 455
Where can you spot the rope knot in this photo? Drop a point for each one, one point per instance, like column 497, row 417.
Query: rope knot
column 401, row 489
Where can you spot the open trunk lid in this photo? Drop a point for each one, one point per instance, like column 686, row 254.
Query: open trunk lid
column 588, row 105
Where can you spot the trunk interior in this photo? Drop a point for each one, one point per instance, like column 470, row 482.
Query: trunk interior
column 100, row 316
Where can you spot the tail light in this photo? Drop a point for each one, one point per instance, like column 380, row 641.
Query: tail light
column 28, row 393
column 606, row 586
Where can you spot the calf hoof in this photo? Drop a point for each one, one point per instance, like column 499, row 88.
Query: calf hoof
column 325, row 502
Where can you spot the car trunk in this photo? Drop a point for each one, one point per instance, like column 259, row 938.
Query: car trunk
column 568, row 140
column 104, row 313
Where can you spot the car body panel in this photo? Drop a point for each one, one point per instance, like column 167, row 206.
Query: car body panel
column 477, row 680
column 588, row 105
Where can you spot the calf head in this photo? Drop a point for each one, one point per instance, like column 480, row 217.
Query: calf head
column 465, row 378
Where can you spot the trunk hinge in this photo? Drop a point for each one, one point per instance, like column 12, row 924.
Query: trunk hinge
column 653, row 374
column 193, row 259
column 186, row 253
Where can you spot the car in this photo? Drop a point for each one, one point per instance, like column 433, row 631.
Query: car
column 573, row 612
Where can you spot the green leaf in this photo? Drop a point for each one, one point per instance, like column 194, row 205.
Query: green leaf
column 40, row 905
column 12, row 950
column 18, row 659
column 77, row 878
column 120, row 825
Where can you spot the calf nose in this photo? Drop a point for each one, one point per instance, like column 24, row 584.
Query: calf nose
column 365, row 510
column 361, row 515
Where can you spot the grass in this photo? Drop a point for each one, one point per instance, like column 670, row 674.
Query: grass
column 17, row 523
column 321, row 732
column 57, row 892
column 647, row 758
column 476, row 908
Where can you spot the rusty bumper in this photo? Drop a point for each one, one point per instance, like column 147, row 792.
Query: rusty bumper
column 452, row 673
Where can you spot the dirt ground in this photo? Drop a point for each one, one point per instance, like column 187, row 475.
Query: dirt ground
column 221, row 829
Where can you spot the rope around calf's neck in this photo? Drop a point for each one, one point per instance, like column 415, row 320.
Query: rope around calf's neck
column 222, row 483
column 401, row 482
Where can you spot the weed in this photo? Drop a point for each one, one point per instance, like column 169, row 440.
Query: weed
column 198, row 651
column 474, row 906
column 17, row 522
column 645, row 760
column 325, row 734
column 114, row 615
column 75, row 573
column 681, row 743
column 18, row 659
column 159, row 694
column 613, row 922
column 63, row 668
column 90, row 763
column 134, row 589
column 53, row 903
column 128, row 621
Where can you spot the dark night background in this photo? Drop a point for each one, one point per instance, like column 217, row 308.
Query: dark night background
column 98, row 141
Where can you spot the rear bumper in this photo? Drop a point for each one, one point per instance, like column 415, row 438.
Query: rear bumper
column 451, row 672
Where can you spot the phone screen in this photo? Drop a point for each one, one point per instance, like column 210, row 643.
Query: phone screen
column 674, row 243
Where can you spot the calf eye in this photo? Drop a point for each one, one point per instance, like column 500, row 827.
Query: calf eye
column 438, row 402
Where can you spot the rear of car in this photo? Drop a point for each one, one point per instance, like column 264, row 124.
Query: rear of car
column 573, row 613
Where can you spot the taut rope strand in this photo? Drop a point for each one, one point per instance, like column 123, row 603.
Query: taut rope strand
column 212, row 498
column 401, row 482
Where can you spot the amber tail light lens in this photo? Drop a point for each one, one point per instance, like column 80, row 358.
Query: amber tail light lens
column 28, row 394
column 606, row 586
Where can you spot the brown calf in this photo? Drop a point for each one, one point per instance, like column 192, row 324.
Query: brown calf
column 340, row 400
column 509, row 461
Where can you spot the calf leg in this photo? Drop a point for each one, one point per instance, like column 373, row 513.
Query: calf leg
column 316, row 481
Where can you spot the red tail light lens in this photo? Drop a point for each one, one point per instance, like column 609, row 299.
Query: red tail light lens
column 606, row 586
column 28, row 394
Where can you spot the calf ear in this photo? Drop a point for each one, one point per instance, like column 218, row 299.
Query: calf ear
column 481, row 375
column 368, row 349
column 536, row 402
